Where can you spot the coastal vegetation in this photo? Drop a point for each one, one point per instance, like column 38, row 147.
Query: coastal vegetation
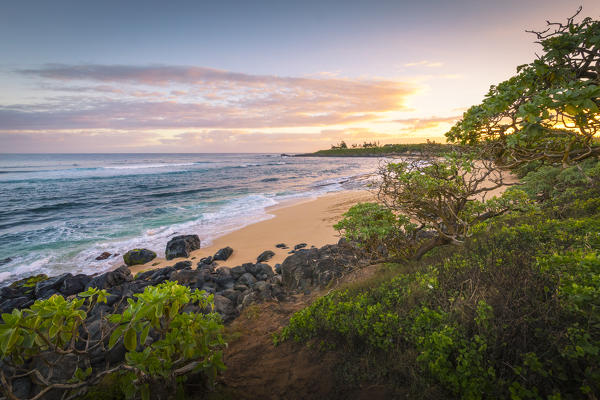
column 61, row 345
column 512, row 309
column 377, row 150
column 482, row 296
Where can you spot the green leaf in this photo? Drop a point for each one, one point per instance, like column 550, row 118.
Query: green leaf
column 144, row 334
column 114, row 337
column 130, row 339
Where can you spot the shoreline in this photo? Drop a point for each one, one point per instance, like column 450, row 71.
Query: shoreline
column 307, row 220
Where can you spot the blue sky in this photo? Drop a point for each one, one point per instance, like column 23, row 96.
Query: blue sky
column 84, row 76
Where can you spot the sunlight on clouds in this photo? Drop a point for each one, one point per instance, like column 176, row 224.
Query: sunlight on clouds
column 172, row 108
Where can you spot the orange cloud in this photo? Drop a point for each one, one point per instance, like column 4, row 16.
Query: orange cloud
column 199, row 97
column 426, row 123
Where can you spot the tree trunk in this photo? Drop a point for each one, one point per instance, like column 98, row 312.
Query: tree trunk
column 430, row 244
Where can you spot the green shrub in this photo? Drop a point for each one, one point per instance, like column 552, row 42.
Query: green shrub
column 375, row 226
column 512, row 314
column 164, row 344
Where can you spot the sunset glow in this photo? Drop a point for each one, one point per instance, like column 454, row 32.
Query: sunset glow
column 191, row 77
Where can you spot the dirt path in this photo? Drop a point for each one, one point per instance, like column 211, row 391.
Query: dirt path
column 256, row 369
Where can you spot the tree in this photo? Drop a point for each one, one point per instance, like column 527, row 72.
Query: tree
column 549, row 110
column 446, row 196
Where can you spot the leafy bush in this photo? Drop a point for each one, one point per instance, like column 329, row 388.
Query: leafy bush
column 513, row 313
column 376, row 227
column 58, row 342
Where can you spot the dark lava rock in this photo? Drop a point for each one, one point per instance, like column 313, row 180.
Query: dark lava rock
column 300, row 246
column 103, row 256
column 223, row 278
column 20, row 302
column 47, row 288
column 240, row 288
column 74, row 284
column 265, row 256
column 225, row 307
column 138, row 256
column 308, row 268
column 112, row 278
column 246, row 279
column 231, row 294
column 261, row 271
column 278, row 268
column 182, row 246
column 210, row 287
column 238, row 271
column 206, row 260
column 188, row 277
column 281, row 246
column 207, row 267
column 223, row 254
column 8, row 292
column 183, row 265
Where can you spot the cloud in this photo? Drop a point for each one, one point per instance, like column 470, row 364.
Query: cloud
column 426, row 123
column 150, row 97
column 425, row 63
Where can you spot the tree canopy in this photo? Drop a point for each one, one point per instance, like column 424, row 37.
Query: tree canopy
column 549, row 110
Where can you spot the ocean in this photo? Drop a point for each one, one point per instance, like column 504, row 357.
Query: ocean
column 58, row 212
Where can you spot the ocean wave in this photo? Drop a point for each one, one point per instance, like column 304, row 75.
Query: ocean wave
column 144, row 166
column 181, row 192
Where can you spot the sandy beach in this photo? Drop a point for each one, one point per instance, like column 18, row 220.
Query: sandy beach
column 309, row 221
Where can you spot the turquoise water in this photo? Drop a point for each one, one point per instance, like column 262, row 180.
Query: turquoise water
column 58, row 212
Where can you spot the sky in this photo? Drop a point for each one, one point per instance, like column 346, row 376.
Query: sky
column 253, row 76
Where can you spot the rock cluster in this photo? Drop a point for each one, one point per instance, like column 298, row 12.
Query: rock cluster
column 313, row 267
column 234, row 288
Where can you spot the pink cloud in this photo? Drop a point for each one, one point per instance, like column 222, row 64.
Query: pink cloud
column 211, row 99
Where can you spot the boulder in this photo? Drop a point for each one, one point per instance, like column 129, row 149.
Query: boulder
column 300, row 246
column 238, row 271
column 225, row 307
column 223, row 278
column 260, row 271
column 8, row 305
column 138, row 256
column 26, row 286
column 231, row 294
column 265, row 256
column 183, row 265
column 103, row 256
column 246, row 279
column 309, row 268
column 48, row 287
column 206, row 260
column 223, row 254
column 8, row 292
column 74, row 284
column 182, row 246
column 112, row 278
column 209, row 286
column 188, row 277
column 281, row 246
